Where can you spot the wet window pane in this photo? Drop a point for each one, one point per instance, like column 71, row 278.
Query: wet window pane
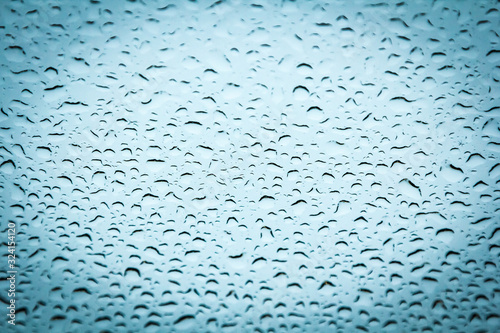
column 250, row 166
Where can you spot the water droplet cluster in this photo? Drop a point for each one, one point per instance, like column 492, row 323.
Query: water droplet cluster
column 252, row 166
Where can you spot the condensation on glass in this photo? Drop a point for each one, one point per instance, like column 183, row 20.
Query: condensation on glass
column 252, row 166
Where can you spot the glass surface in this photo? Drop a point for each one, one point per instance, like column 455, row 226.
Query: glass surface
column 251, row 166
